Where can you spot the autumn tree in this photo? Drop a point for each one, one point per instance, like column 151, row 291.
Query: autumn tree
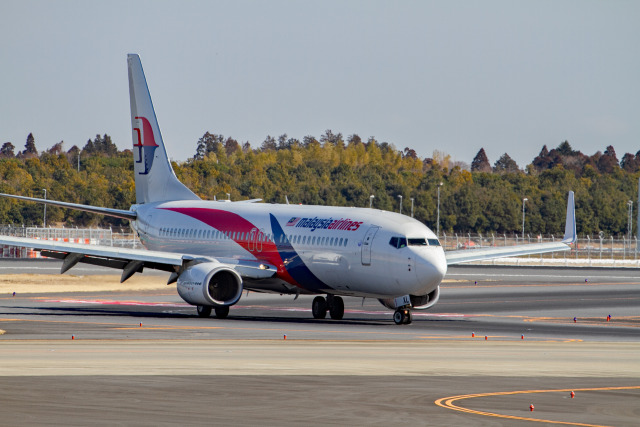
column 608, row 161
column 480, row 162
column 269, row 143
column 101, row 145
column 543, row 160
column 506, row 164
column 7, row 150
column 30, row 149
column 630, row 163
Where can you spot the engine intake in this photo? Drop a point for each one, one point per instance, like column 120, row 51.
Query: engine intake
column 210, row 284
column 422, row 302
column 419, row 302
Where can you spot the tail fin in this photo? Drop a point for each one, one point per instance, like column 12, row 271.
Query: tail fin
column 570, row 234
column 154, row 176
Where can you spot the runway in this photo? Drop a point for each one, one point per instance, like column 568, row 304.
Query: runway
column 145, row 358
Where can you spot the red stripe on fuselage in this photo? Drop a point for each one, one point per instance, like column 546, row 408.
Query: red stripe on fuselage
column 229, row 223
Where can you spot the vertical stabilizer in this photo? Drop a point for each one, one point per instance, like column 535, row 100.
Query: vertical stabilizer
column 570, row 234
column 154, row 177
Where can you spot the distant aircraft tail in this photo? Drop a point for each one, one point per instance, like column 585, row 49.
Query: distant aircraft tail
column 154, row 177
column 570, row 234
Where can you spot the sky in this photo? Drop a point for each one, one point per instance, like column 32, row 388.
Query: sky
column 453, row 76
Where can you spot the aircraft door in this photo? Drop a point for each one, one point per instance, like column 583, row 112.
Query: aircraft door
column 254, row 243
column 366, row 245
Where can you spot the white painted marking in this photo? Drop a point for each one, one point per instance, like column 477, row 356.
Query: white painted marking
column 451, row 275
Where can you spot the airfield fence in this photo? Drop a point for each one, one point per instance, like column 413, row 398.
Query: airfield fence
column 122, row 238
column 588, row 250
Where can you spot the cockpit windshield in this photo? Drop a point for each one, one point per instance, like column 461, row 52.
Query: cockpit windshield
column 401, row 242
column 417, row 241
column 398, row 242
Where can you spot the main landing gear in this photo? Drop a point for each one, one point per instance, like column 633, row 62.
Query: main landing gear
column 332, row 303
column 402, row 316
column 205, row 311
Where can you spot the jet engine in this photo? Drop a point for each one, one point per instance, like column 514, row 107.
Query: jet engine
column 419, row 302
column 210, row 284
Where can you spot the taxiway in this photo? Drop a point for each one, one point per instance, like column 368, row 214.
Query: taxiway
column 140, row 358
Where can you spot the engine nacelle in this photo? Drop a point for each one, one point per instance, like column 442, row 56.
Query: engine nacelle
column 419, row 302
column 210, row 284
column 422, row 302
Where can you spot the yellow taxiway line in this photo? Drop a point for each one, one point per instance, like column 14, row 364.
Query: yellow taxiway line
column 448, row 402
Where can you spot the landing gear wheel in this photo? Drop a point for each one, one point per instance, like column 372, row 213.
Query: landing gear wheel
column 203, row 311
column 399, row 317
column 336, row 308
column 222, row 312
column 319, row 308
column 408, row 319
column 402, row 316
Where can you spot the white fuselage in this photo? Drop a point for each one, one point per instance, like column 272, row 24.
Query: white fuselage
column 315, row 249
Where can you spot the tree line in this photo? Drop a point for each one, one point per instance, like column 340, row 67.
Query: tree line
column 333, row 170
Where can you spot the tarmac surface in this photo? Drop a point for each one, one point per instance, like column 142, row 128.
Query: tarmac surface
column 499, row 340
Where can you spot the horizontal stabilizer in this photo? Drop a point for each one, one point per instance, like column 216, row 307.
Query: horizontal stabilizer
column 118, row 213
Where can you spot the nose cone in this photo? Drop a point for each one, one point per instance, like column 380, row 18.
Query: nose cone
column 431, row 269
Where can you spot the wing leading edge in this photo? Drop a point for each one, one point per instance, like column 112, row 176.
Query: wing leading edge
column 469, row 255
column 132, row 261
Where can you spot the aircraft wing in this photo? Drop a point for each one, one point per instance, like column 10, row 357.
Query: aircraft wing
column 132, row 261
column 468, row 255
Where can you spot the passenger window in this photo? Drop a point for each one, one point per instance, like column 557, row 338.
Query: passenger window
column 345, row 242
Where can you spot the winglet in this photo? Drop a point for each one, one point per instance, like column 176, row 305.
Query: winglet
column 570, row 235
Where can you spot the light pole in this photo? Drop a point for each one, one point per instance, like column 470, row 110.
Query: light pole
column 371, row 197
column 438, row 217
column 228, row 196
column 45, row 208
column 523, row 202
column 630, row 219
column 400, row 197
column 412, row 207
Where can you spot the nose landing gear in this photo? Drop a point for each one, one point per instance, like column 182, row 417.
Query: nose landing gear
column 402, row 316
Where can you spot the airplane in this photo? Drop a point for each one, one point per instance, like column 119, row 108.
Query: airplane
column 214, row 250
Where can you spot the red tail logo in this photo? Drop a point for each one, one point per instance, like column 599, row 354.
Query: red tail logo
column 146, row 145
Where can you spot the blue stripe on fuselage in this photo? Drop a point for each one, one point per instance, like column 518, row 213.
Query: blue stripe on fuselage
column 292, row 261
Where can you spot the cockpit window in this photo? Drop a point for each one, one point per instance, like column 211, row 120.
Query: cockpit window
column 434, row 242
column 417, row 242
column 398, row 242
